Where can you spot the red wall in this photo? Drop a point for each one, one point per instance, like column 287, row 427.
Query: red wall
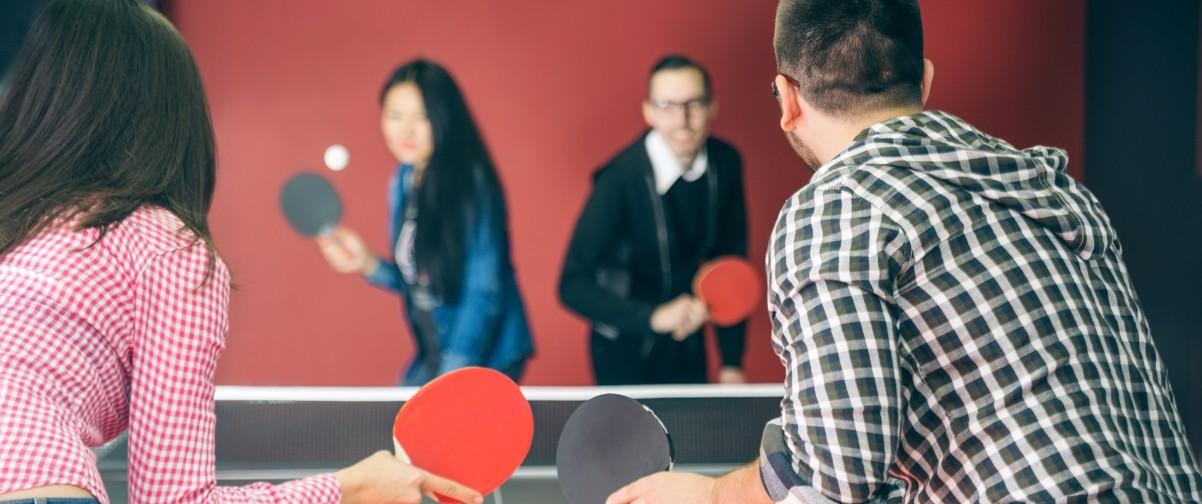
column 556, row 88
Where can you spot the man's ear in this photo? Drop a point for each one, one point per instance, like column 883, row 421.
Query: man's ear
column 790, row 103
column 928, row 74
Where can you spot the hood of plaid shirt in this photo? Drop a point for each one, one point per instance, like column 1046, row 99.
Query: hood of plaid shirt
column 1033, row 182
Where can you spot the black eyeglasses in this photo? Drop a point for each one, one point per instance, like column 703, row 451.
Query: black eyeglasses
column 792, row 82
column 693, row 107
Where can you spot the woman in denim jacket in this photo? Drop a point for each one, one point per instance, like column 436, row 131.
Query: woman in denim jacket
column 449, row 233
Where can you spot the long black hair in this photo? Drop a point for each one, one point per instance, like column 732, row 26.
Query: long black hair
column 104, row 113
column 459, row 184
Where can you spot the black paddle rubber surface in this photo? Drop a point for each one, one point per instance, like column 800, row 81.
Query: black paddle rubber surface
column 310, row 204
column 609, row 442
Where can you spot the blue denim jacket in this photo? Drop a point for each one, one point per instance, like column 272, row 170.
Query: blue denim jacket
column 487, row 326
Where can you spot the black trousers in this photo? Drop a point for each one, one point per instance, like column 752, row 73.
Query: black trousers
column 620, row 361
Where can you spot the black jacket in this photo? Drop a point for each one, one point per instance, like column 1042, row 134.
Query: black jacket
column 618, row 266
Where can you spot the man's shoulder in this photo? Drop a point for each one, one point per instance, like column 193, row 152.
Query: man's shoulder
column 868, row 182
column 865, row 175
column 632, row 161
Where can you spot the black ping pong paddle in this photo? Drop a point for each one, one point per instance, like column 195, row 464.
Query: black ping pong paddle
column 609, row 442
column 310, row 204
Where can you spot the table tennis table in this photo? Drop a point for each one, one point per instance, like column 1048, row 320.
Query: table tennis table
column 281, row 433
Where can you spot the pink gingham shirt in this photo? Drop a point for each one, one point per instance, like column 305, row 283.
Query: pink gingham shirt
column 125, row 334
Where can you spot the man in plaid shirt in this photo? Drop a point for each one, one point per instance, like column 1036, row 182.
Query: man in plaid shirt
column 953, row 314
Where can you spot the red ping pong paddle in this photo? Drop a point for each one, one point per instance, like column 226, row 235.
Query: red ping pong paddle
column 472, row 425
column 730, row 288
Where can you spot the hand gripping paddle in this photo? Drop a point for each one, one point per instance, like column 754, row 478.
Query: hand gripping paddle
column 472, row 425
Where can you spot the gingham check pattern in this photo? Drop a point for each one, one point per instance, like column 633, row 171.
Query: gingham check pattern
column 957, row 325
column 97, row 340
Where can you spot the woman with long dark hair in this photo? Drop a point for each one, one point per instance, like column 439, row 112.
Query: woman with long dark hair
column 113, row 300
column 449, row 233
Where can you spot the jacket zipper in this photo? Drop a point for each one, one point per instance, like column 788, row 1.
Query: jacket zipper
column 661, row 229
column 711, row 236
column 661, row 226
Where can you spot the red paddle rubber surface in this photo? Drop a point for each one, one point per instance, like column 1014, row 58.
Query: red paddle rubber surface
column 472, row 425
column 731, row 289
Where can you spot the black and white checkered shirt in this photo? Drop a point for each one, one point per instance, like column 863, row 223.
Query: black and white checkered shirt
column 957, row 325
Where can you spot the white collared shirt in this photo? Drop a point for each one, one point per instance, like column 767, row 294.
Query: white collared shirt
column 667, row 166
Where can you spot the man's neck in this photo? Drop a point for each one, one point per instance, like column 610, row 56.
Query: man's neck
column 686, row 163
column 836, row 134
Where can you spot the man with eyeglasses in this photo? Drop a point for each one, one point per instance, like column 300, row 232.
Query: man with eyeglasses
column 953, row 313
column 670, row 201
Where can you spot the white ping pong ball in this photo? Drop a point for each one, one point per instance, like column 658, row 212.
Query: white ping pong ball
column 337, row 157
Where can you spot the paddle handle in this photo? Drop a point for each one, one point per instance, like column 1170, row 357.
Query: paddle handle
column 400, row 452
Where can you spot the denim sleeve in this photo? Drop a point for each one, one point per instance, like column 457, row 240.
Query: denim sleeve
column 387, row 276
column 479, row 309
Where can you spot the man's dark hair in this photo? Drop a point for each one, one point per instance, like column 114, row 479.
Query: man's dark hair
column 678, row 62
column 852, row 56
